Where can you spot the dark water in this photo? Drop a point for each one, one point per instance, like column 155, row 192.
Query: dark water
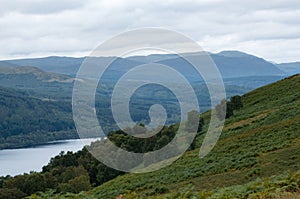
column 18, row 161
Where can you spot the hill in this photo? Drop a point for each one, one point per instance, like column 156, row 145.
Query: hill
column 63, row 65
column 38, row 73
column 230, row 63
column 27, row 121
column 261, row 140
column 6, row 64
column 49, row 86
column 69, row 65
column 257, row 156
column 290, row 68
column 37, row 83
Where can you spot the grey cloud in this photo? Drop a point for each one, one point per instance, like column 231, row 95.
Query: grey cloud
column 79, row 26
column 38, row 6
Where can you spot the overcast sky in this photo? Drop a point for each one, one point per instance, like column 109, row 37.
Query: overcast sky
column 34, row 28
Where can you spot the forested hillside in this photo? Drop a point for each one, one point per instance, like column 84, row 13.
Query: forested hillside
column 259, row 141
column 36, row 82
column 257, row 156
column 27, row 121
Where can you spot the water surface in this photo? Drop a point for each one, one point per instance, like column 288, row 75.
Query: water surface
column 24, row 160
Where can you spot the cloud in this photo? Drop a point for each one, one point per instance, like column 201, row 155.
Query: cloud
column 38, row 6
column 50, row 27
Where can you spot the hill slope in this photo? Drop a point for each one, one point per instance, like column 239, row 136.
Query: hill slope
column 260, row 140
column 63, row 65
column 36, row 82
column 290, row 68
column 26, row 121
column 230, row 63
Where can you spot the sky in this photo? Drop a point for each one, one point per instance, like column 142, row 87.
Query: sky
column 37, row 28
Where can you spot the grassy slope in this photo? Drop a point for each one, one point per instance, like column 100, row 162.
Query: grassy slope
column 260, row 140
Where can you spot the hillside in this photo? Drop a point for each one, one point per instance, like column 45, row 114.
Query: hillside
column 49, row 86
column 36, row 82
column 230, row 63
column 26, row 121
column 63, row 65
column 257, row 155
column 38, row 73
column 6, row 64
column 260, row 140
column 290, row 68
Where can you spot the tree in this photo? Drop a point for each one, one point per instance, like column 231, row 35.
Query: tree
column 12, row 193
column 76, row 185
column 226, row 108
column 236, row 102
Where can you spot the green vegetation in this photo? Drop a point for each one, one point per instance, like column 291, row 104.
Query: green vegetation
column 46, row 98
column 26, row 121
column 67, row 172
column 226, row 108
column 259, row 143
column 277, row 187
column 37, row 83
column 80, row 171
column 261, row 140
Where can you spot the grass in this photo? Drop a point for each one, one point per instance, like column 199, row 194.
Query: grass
column 261, row 140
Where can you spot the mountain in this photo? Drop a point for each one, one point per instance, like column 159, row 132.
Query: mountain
column 38, row 73
column 236, row 64
column 230, row 63
column 27, row 121
column 6, row 64
column 49, row 86
column 152, row 58
column 290, row 68
column 70, row 65
column 234, row 53
column 38, row 83
column 62, row 65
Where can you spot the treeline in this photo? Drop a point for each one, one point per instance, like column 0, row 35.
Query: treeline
column 67, row 172
column 162, row 138
column 227, row 107
column 80, row 171
column 35, row 138
column 22, row 116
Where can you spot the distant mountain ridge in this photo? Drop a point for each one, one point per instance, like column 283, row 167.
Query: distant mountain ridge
column 234, row 53
column 290, row 68
column 36, row 82
column 41, row 75
column 6, row 64
column 62, row 65
column 230, row 63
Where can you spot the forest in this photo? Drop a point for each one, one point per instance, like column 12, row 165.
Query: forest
column 80, row 171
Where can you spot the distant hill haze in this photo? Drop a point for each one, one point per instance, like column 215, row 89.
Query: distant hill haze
column 40, row 74
column 290, row 68
column 230, row 63
column 48, row 82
